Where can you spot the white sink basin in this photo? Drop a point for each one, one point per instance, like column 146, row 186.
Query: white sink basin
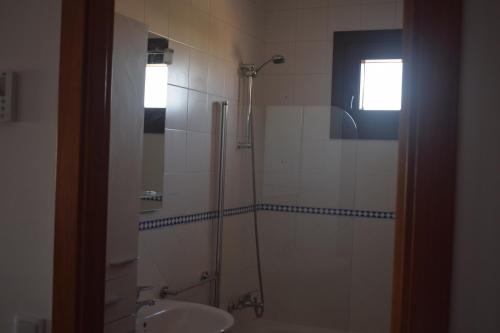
column 168, row 316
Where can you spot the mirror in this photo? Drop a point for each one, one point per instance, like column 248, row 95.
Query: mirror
column 155, row 108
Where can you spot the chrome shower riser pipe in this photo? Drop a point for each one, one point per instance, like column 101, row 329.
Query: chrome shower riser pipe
column 220, row 216
column 247, row 72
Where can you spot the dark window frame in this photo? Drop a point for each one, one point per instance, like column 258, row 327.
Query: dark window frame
column 350, row 48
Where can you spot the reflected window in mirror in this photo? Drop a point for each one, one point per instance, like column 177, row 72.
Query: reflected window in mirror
column 155, row 107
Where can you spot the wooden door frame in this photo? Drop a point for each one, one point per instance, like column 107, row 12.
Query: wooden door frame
column 426, row 185
column 82, row 165
column 427, row 167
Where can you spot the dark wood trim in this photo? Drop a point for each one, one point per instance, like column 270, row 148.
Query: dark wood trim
column 82, row 166
column 426, row 187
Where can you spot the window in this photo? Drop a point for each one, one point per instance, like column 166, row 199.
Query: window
column 367, row 84
column 155, row 93
column 381, row 85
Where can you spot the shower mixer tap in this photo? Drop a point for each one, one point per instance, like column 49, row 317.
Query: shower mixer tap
column 248, row 301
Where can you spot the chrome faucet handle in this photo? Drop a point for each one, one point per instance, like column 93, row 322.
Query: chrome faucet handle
column 140, row 289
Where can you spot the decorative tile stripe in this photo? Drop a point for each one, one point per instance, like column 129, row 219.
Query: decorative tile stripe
column 172, row 221
column 327, row 211
column 193, row 218
column 158, row 197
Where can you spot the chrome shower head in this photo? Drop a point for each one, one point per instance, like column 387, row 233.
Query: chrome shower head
column 250, row 70
column 276, row 59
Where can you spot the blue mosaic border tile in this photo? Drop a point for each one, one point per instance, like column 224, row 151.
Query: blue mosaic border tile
column 193, row 218
column 327, row 211
column 153, row 198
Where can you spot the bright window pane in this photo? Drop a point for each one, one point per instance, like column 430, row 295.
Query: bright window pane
column 155, row 95
column 381, row 85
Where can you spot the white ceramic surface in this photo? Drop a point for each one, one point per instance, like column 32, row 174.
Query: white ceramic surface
column 183, row 317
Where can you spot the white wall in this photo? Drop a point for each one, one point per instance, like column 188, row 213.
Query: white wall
column 343, row 265
column 29, row 39
column 210, row 39
column 476, row 278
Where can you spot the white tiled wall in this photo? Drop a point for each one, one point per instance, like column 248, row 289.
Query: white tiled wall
column 210, row 38
column 310, row 262
column 302, row 166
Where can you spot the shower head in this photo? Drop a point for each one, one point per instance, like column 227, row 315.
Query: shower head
column 276, row 59
column 250, row 70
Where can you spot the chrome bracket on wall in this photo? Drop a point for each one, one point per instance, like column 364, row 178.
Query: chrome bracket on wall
column 204, row 279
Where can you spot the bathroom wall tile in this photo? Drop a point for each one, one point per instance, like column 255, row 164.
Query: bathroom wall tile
column 238, row 187
column 399, row 15
column 239, row 271
column 312, row 3
column 200, row 30
column 178, row 72
column 321, row 158
column 279, row 234
column 348, row 2
column 202, row 5
column 372, row 276
column 348, row 173
column 281, row 26
column 177, row 104
column 278, row 90
column 243, row 46
column 148, row 273
column 175, row 151
column 283, row 138
column 344, row 18
column 281, row 188
column 232, row 81
column 330, row 197
column 180, row 20
column 157, row 16
column 199, row 114
column 201, row 191
column 220, row 9
column 198, row 70
column 312, row 24
column 192, row 243
column 317, row 122
column 253, row 19
column 131, row 8
column 235, row 12
column 313, row 57
column 280, row 4
column 376, row 175
column 176, row 201
column 313, row 90
column 321, row 174
column 216, row 76
column 325, row 303
column 313, row 156
column 199, row 152
column 378, row 16
column 220, row 41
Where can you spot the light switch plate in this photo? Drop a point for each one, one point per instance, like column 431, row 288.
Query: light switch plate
column 29, row 324
column 7, row 93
